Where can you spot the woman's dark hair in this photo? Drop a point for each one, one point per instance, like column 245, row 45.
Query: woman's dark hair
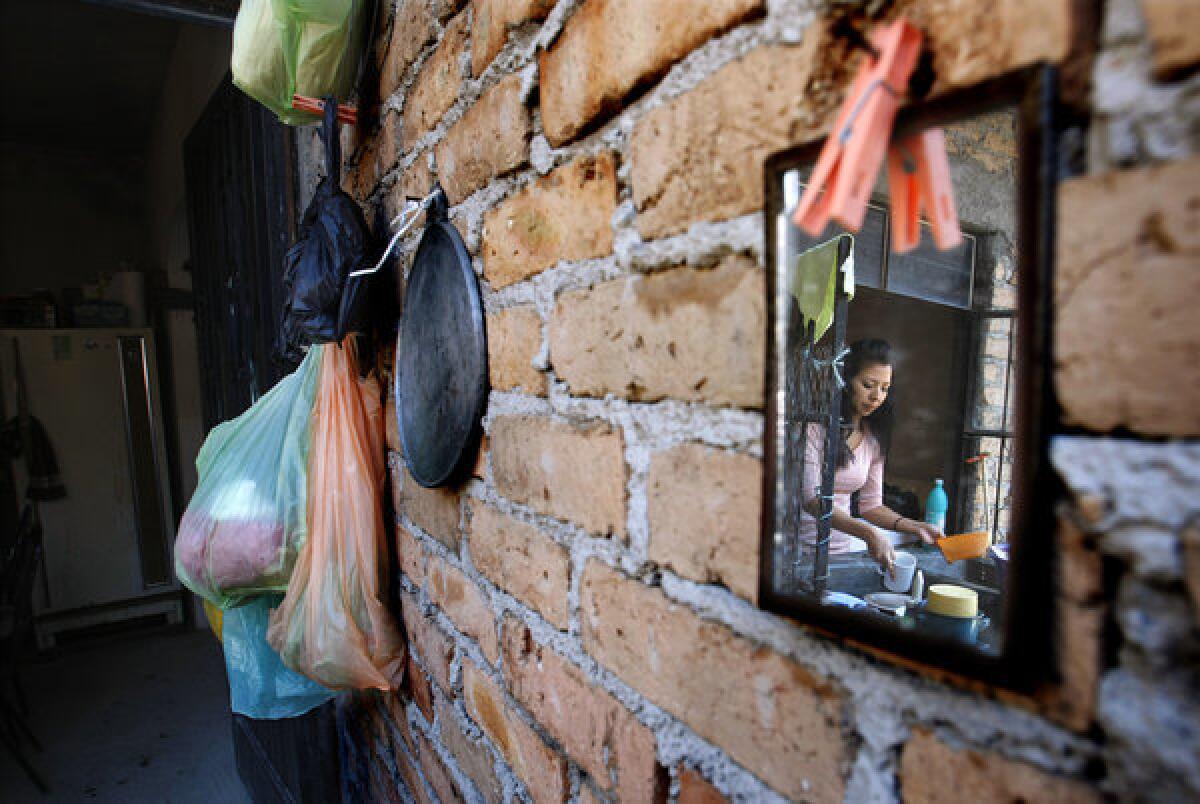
column 864, row 353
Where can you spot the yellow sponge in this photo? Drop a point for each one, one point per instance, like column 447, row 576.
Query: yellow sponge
column 952, row 601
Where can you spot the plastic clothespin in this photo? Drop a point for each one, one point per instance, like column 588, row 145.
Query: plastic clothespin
column 845, row 172
column 919, row 179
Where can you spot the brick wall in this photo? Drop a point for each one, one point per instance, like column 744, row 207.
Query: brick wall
column 581, row 612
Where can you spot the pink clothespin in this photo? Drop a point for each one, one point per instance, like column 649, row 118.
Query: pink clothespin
column 845, row 172
column 919, row 179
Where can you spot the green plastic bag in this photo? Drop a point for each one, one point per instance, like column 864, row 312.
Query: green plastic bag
column 304, row 47
column 247, row 519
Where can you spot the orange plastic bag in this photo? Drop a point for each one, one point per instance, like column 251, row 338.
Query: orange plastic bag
column 333, row 625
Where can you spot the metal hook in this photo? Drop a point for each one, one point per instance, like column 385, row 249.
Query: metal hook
column 412, row 210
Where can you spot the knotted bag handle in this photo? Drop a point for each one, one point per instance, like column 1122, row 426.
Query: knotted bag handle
column 333, row 141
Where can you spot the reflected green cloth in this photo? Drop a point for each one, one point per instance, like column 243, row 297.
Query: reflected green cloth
column 814, row 282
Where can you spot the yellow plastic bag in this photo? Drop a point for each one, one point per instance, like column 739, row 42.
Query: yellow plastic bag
column 333, row 625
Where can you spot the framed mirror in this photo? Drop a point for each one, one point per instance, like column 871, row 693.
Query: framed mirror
column 907, row 400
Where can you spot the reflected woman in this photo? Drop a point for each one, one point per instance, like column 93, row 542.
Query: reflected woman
column 867, row 418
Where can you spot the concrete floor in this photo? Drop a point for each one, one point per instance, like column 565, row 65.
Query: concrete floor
column 135, row 718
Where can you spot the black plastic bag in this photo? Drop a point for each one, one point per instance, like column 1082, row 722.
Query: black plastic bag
column 323, row 303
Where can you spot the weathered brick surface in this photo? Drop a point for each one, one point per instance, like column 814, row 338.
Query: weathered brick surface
column 452, row 591
column 1174, row 28
column 571, row 473
column 703, row 507
column 931, row 771
column 493, row 19
column 514, row 337
column 691, row 334
column 609, row 47
column 593, row 727
column 771, row 715
column 473, row 759
column 388, row 151
column 464, row 603
column 427, row 639
column 695, row 789
column 522, row 561
column 418, row 687
column 438, row 85
column 435, row 772
column 565, row 215
column 489, row 140
column 1080, row 661
column 414, row 182
column 435, row 511
column 392, row 428
column 973, row 41
column 689, row 164
column 412, row 29
column 1127, row 275
column 543, row 770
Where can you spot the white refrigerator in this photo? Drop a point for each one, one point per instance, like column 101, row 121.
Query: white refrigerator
column 109, row 542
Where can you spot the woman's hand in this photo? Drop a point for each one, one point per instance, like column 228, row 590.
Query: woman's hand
column 880, row 548
column 927, row 532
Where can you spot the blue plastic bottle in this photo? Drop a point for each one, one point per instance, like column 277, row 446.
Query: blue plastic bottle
column 936, row 505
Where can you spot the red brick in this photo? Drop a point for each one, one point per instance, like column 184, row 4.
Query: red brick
column 1127, row 351
column 438, row 84
column 567, row 472
column 388, row 149
column 695, row 789
column 690, row 334
column 522, row 561
column 411, row 555
column 703, row 506
column 768, row 713
column 689, row 164
column 490, row 140
column 414, row 182
column 473, row 759
column 543, row 770
column 610, row 47
column 565, row 215
column 973, row 41
column 514, row 337
column 464, row 603
column 392, row 427
column 435, row 772
column 428, row 640
column 598, row 732
column 412, row 29
column 931, row 771
column 435, row 511
column 493, row 19
column 419, row 688
column 1174, row 29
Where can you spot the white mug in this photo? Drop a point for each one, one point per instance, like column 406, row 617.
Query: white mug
column 902, row 574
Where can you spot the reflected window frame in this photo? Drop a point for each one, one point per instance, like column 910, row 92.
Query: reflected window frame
column 1028, row 655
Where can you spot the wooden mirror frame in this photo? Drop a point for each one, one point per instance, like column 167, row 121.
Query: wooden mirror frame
column 1027, row 658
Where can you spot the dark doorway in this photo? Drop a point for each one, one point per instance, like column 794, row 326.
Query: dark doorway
column 241, row 210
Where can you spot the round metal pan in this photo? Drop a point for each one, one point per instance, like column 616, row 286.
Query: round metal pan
column 441, row 357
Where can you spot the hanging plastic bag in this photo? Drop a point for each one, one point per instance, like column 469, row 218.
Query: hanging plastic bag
column 323, row 303
column 305, row 47
column 260, row 686
column 245, row 524
column 333, row 625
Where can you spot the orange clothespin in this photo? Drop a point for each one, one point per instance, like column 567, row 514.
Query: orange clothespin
column 919, row 178
column 345, row 114
column 845, row 172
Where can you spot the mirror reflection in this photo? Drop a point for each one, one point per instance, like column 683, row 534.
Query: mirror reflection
column 895, row 402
